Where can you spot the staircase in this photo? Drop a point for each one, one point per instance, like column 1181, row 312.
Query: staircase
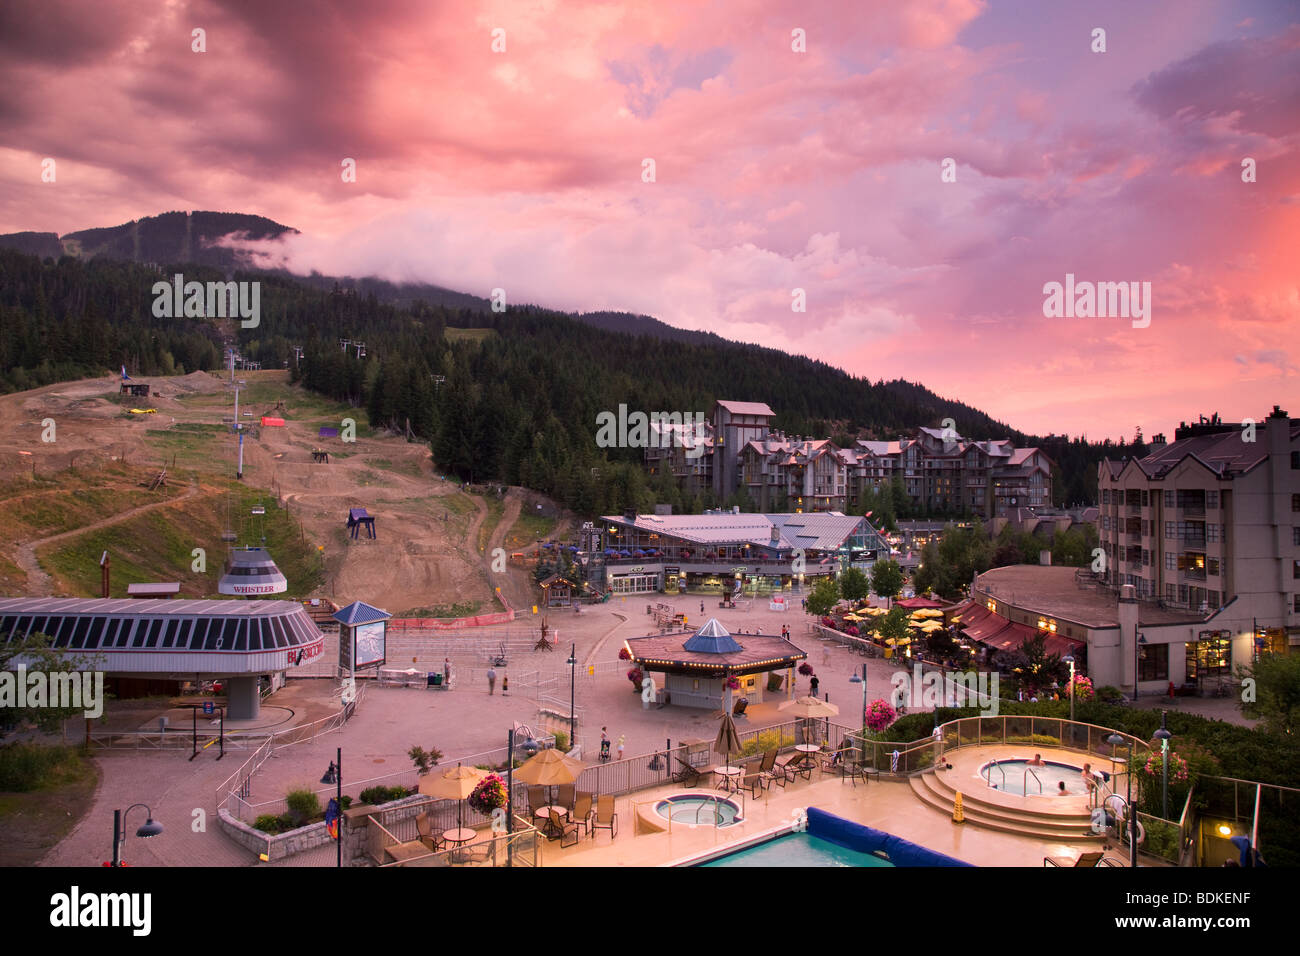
column 993, row 810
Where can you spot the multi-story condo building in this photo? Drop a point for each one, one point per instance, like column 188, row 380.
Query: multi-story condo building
column 940, row 471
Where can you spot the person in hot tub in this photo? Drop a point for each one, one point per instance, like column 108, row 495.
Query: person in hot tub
column 1060, row 789
column 1036, row 762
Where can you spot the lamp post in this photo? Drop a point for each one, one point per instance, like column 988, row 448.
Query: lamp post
column 1116, row 740
column 510, row 798
column 334, row 775
column 149, row 828
column 1069, row 659
column 1137, row 646
column 573, row 714
column 1163, row 736
column 855, row 679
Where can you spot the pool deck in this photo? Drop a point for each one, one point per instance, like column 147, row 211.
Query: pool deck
column 887, row 805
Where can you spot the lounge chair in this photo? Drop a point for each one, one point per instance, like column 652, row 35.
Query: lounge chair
column 687, row 773
column 606, row 818
column 563, row 831
column 1086, row 859
column 794, row 763
column 583, row 812
column 767, row 770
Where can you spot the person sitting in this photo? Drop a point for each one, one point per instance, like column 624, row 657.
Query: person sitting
column 1036, row 762
column 1060, row 789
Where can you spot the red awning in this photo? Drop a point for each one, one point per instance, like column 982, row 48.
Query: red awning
column 1010, row 637
column 1056, row 644
column 982, row 630
column 918, row 603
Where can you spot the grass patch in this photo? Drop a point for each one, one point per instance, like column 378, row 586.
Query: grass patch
column 477, row 336
column 528, row 529
column 495, row 509
column 159, row 545
column 73, row 499
column 34, row 820
column 459, row 609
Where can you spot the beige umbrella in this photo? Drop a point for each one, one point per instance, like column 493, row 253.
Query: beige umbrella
column 727, row 741
column 550, row 768
column 929, row 612
column 455, row 784
column 810, row 707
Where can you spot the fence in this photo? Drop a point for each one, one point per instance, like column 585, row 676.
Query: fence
column 909, row 757
column 409, row 778
column 520, row 848
column 231, row 795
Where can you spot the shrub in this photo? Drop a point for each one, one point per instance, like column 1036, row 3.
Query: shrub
column 304, row 806
column 561, row 740
column 381, row 794
column 424, row 760
column 765, row 741
column 269, row 823
column 26, row 767
column 1109, row 694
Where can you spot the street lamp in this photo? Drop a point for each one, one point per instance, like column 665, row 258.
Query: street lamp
column 334, row 775
column 1116, row 740
column 1163, row 736
column 855, row 679
column 149, row 828
column 1137, row 645
column 1069, row 659
column 573, row 715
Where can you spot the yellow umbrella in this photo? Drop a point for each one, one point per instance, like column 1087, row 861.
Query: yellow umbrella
column 852, row 617
column 549, row 768
column 929, row 612
column 810, row 707
column 455, row 784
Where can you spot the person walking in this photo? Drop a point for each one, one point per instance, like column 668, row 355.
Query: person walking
column 812, row 685
column 505, row 684
column 492, row 681
column 621, row 739
column 604, row 744
column 446, row 671
column 701, row 607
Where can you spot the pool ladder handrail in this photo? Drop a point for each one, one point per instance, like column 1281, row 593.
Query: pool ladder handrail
column 1024, row 782
column 988, row 774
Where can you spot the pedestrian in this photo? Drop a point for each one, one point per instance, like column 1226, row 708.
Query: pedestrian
column 446, row 671
column 492, row 681
column 505, row 684
column 701, row 607
column 812, row 685
column 621, row 738
column 604, row 744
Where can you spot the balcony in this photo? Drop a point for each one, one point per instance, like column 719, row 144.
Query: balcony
column 1194, row 540
column 1195, row 574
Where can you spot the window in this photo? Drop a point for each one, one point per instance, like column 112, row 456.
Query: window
column 1212, row 532
column 1295, row 460
column 1171, row 499
column 1295, row 537
column 1145, row 499
column 1171, row 561
column 1153, row 661
column 155, row 631
column 1171, row 529
column 169, row 635
column 1213, row 564
column 1295, row 569
column 97, row 633
column 200, row 631
column 1297, row 603
column 278, row 624
column 1146, row 557
column 83, row 626
column 1211, row 499
column 228, row 631
column 1295, row 502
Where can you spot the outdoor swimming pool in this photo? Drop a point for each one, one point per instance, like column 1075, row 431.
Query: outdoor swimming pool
column 1009, row 776
column 798, row 849
column 699, row 810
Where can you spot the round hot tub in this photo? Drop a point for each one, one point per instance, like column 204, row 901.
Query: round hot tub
column 699, row 809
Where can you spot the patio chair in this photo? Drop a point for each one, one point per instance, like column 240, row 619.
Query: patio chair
column 536, row 800
column 753, row 782
column 793, row 763
column 855, row 768
column 564, row 795
column 738, row 709
column 563, row 831
column 831, row 761
column 606, row 818
column 424, row 827
column 583, row 812
column 1086, row 859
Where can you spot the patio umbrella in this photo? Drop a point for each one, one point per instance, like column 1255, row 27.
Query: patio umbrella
column 455, row 784
column 727, row 740
column 550, row 768
column 809, row 708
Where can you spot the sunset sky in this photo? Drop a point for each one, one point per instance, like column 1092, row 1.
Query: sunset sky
column 775, row 170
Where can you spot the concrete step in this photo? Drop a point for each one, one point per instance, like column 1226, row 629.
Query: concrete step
column 943, row 786
column 981, row 815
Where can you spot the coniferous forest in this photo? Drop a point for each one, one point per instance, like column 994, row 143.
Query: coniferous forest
column 509, row 397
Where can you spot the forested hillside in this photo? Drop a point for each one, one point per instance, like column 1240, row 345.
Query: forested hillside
column 507, row 396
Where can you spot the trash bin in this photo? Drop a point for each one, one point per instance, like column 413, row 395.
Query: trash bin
column 435, row 679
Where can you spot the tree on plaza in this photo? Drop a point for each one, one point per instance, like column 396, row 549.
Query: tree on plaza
column 853, row 584
column 1277, row 691
column 824, row 596
column 887, row 578
column 894, row 625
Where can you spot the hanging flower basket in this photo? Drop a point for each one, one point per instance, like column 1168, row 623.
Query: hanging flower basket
column 635, row 675
column 806, row 669
column 733, row 683
column 624, row 654
column 489, row 795
column 1155, row 766
column 1082, row 687
column 880, row 714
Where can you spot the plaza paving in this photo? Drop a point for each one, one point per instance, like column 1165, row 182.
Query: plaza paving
column 466, row 721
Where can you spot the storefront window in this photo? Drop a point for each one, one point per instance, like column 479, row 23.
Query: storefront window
column 1153, row 662
column 1212, row 658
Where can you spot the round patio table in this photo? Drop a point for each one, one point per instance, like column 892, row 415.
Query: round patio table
column 807, row 750
column 726, row 773
column 462, row 835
